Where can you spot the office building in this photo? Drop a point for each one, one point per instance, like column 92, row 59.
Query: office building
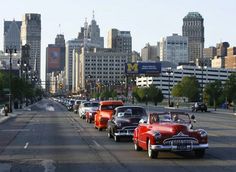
column 102, row 67
column 230, row 59
column 12, row 30
column 120, row 41
column 31, row 35
column 193, row 29
column 176, row 75
column 174, row 49
column 88, row 37
column 150, row 53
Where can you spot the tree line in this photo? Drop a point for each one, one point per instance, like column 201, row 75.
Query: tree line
column 21, row 89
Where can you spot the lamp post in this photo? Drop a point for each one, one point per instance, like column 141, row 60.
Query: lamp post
column 169, row 72
column 10, row 51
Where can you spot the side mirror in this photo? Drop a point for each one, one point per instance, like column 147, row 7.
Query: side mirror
column 193, row 118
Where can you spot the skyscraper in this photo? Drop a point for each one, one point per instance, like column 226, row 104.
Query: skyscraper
column 174, row 49
column 88, row 37
column 121, row 41
column 193, row 29
column 31, row 35
column 12, row 35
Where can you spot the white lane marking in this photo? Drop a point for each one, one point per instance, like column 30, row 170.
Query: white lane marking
column 8, row 130
column 26, row 145
column 50, row 108
column 96, row 143
column 48, row 165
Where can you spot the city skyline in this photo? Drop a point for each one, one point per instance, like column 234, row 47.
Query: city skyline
column 147, row 20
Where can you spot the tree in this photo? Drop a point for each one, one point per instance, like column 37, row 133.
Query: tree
column 190, row 88
column 154, row 94
column 214, row 92
column 177, row 90
column 230, row 87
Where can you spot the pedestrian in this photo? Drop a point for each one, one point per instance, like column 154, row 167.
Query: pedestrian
column 6, row 109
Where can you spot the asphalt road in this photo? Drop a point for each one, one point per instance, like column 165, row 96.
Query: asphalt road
column 49, row 138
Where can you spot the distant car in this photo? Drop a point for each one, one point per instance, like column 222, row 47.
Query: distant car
column 199, row 106
column 76, row 105
column 124, row 120
column 70, row 104
column 168, row 132
column 104, row 113
column 87, row 106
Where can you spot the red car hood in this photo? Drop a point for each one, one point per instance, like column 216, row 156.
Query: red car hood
column 170, row 128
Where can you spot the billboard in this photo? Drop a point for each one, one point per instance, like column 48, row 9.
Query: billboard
column 143, row 68
column 54, row 59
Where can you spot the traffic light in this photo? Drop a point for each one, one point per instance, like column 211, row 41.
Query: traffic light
column 60, row 85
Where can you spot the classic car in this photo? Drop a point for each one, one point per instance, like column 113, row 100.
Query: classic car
column 124, row 120
column 89, row 116
column 199, row 106
column 169, row 132
column 87, row 106
column 104, row 113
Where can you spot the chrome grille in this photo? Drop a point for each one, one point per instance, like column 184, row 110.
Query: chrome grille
column 180, row 141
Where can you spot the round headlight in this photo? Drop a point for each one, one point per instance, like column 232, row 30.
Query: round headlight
column 202, row 133
column 157, row 135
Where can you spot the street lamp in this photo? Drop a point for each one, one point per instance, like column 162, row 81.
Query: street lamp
column 169, row 72
column 10, row 51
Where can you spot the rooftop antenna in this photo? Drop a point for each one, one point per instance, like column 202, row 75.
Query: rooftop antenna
column 93, row 15
column 60, row 29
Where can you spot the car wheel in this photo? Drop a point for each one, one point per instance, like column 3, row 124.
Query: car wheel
column 90, row 121
column 137, row 147
column 99, row 129
column 151, row 153
column 116, row 138
column 200, row 153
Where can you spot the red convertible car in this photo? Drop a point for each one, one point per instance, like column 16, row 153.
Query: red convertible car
column 169, row 131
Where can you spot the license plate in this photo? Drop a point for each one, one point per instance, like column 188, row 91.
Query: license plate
column 183, row 148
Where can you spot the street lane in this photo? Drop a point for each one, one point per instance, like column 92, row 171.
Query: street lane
column 49, row 138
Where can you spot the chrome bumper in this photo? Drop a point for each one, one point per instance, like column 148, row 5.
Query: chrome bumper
column 176, row 148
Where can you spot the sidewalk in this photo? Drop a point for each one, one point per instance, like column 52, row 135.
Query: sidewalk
column 211, row 110
column 16, row 112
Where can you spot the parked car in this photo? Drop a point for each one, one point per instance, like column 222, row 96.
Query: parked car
column 70, row 104
column 199, row 106
column 89, row 116
column 76, row 105
column 104, row 113
column 87, row 106
column 124, row 120
column 161, row 132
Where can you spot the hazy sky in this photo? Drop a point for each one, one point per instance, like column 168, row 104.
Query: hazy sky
column 148, row 20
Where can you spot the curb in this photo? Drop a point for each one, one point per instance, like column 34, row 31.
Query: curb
column 5, row 118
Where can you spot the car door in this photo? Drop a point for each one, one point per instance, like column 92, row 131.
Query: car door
column 142, row 129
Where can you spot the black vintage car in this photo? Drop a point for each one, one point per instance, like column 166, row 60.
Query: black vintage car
column 199, row 106
column 125, row 119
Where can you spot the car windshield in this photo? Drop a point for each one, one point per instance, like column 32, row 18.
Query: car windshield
column 90, row 104
column 109, row 107
column 169, row 117
column 127, row 112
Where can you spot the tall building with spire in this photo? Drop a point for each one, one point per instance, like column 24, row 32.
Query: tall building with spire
column 88, row 37
column 193, row 29
column 12, row 30
column 31, row 35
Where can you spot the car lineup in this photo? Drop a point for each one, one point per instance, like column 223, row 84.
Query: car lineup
column 154, row 132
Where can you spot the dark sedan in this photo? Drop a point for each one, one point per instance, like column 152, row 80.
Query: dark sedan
column 125, row 119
